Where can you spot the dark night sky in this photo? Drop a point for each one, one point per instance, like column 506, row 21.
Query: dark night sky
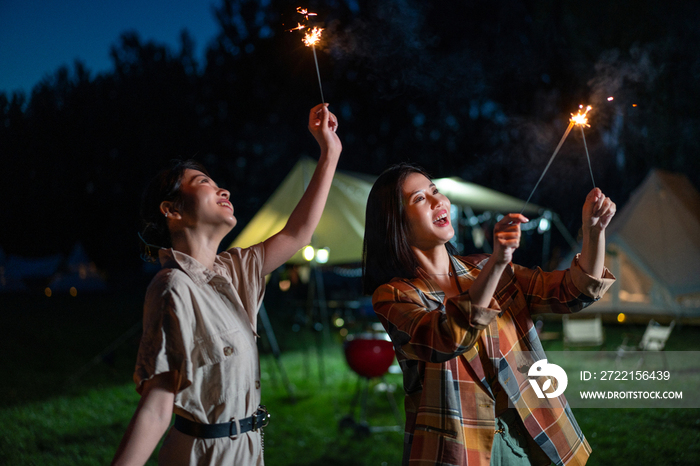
column 38, row 36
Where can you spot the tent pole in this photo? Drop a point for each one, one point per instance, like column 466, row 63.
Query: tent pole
column 546, row 240
column 270, row 333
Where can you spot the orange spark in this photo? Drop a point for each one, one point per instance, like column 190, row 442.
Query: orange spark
column 298, row 28
column 312, row 38
column 304, row 12
column 610, row 99
column 580, row 118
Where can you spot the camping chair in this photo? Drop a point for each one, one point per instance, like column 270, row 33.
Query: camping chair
column 654, row 339
column 582, row 332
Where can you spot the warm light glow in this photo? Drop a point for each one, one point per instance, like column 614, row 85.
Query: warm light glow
column 47, row 292
column 633, row 297
column 73, row 292
column 580, row 118
column 343, row 332
column 621, row 317
column 312, row 38
column 285, row 285
column 308, row 253
column 322, row 255
column 610, row 99
column 339, row 322
column 634, row 105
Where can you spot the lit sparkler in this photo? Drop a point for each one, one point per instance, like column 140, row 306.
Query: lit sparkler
column 578, row 119
column 310, row 39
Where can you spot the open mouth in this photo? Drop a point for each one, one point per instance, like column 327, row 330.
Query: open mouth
column 441, row 219
column 225, row 204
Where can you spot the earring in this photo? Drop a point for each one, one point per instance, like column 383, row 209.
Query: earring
column 166, row 215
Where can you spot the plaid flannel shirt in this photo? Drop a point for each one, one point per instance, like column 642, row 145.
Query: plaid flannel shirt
column 450, row 408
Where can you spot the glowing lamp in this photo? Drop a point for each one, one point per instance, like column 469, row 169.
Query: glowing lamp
column 322, row 255
column 308, row 253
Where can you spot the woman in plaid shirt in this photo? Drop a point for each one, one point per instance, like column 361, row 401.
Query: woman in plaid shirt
column 462, row 327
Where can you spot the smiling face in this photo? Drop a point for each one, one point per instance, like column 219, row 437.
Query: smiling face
column 427, row 212
column 204, row 203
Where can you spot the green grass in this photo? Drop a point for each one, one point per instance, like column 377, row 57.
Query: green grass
column 51, row 418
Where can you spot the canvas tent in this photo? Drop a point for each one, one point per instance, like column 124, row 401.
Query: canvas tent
column 341, row 228
column 653, row 248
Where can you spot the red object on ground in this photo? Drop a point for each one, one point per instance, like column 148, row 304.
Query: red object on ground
column 368, row 355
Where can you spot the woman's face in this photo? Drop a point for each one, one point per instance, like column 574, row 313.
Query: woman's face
column 204, row 203
column 427, row 212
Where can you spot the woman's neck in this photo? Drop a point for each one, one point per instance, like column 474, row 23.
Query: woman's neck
column 201, row 247
column 434, row 261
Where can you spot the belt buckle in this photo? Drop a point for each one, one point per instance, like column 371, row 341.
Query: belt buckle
column 262, row 412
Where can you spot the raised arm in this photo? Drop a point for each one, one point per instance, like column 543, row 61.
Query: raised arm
column 306, row 215
column 506, row 239
column 598, row 210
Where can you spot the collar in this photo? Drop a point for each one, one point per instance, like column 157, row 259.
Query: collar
column 199, row 274
column 463, row 271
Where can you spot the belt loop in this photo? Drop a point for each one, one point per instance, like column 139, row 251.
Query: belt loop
column 234, row 421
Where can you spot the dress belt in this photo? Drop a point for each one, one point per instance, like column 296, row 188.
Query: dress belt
column 225, row 429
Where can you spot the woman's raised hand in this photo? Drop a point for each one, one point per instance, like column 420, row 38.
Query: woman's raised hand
column 506, row 237
column 598, row 210
column 323, row 125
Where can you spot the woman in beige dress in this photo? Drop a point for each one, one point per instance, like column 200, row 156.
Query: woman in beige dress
column 198, row 358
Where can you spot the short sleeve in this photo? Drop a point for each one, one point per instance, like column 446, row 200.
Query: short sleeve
column 167, row 339
column 245, row 268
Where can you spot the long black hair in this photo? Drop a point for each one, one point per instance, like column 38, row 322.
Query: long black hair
column 165, row 186
column 386, row 253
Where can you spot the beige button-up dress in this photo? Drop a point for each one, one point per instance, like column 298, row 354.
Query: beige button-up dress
column 201, row 324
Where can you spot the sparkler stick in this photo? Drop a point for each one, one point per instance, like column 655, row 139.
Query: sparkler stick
column 587, row 156
column 318, row 74
column 578, row 119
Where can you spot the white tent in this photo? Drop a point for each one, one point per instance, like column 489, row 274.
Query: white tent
column 653, row 248
column 342, row 225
